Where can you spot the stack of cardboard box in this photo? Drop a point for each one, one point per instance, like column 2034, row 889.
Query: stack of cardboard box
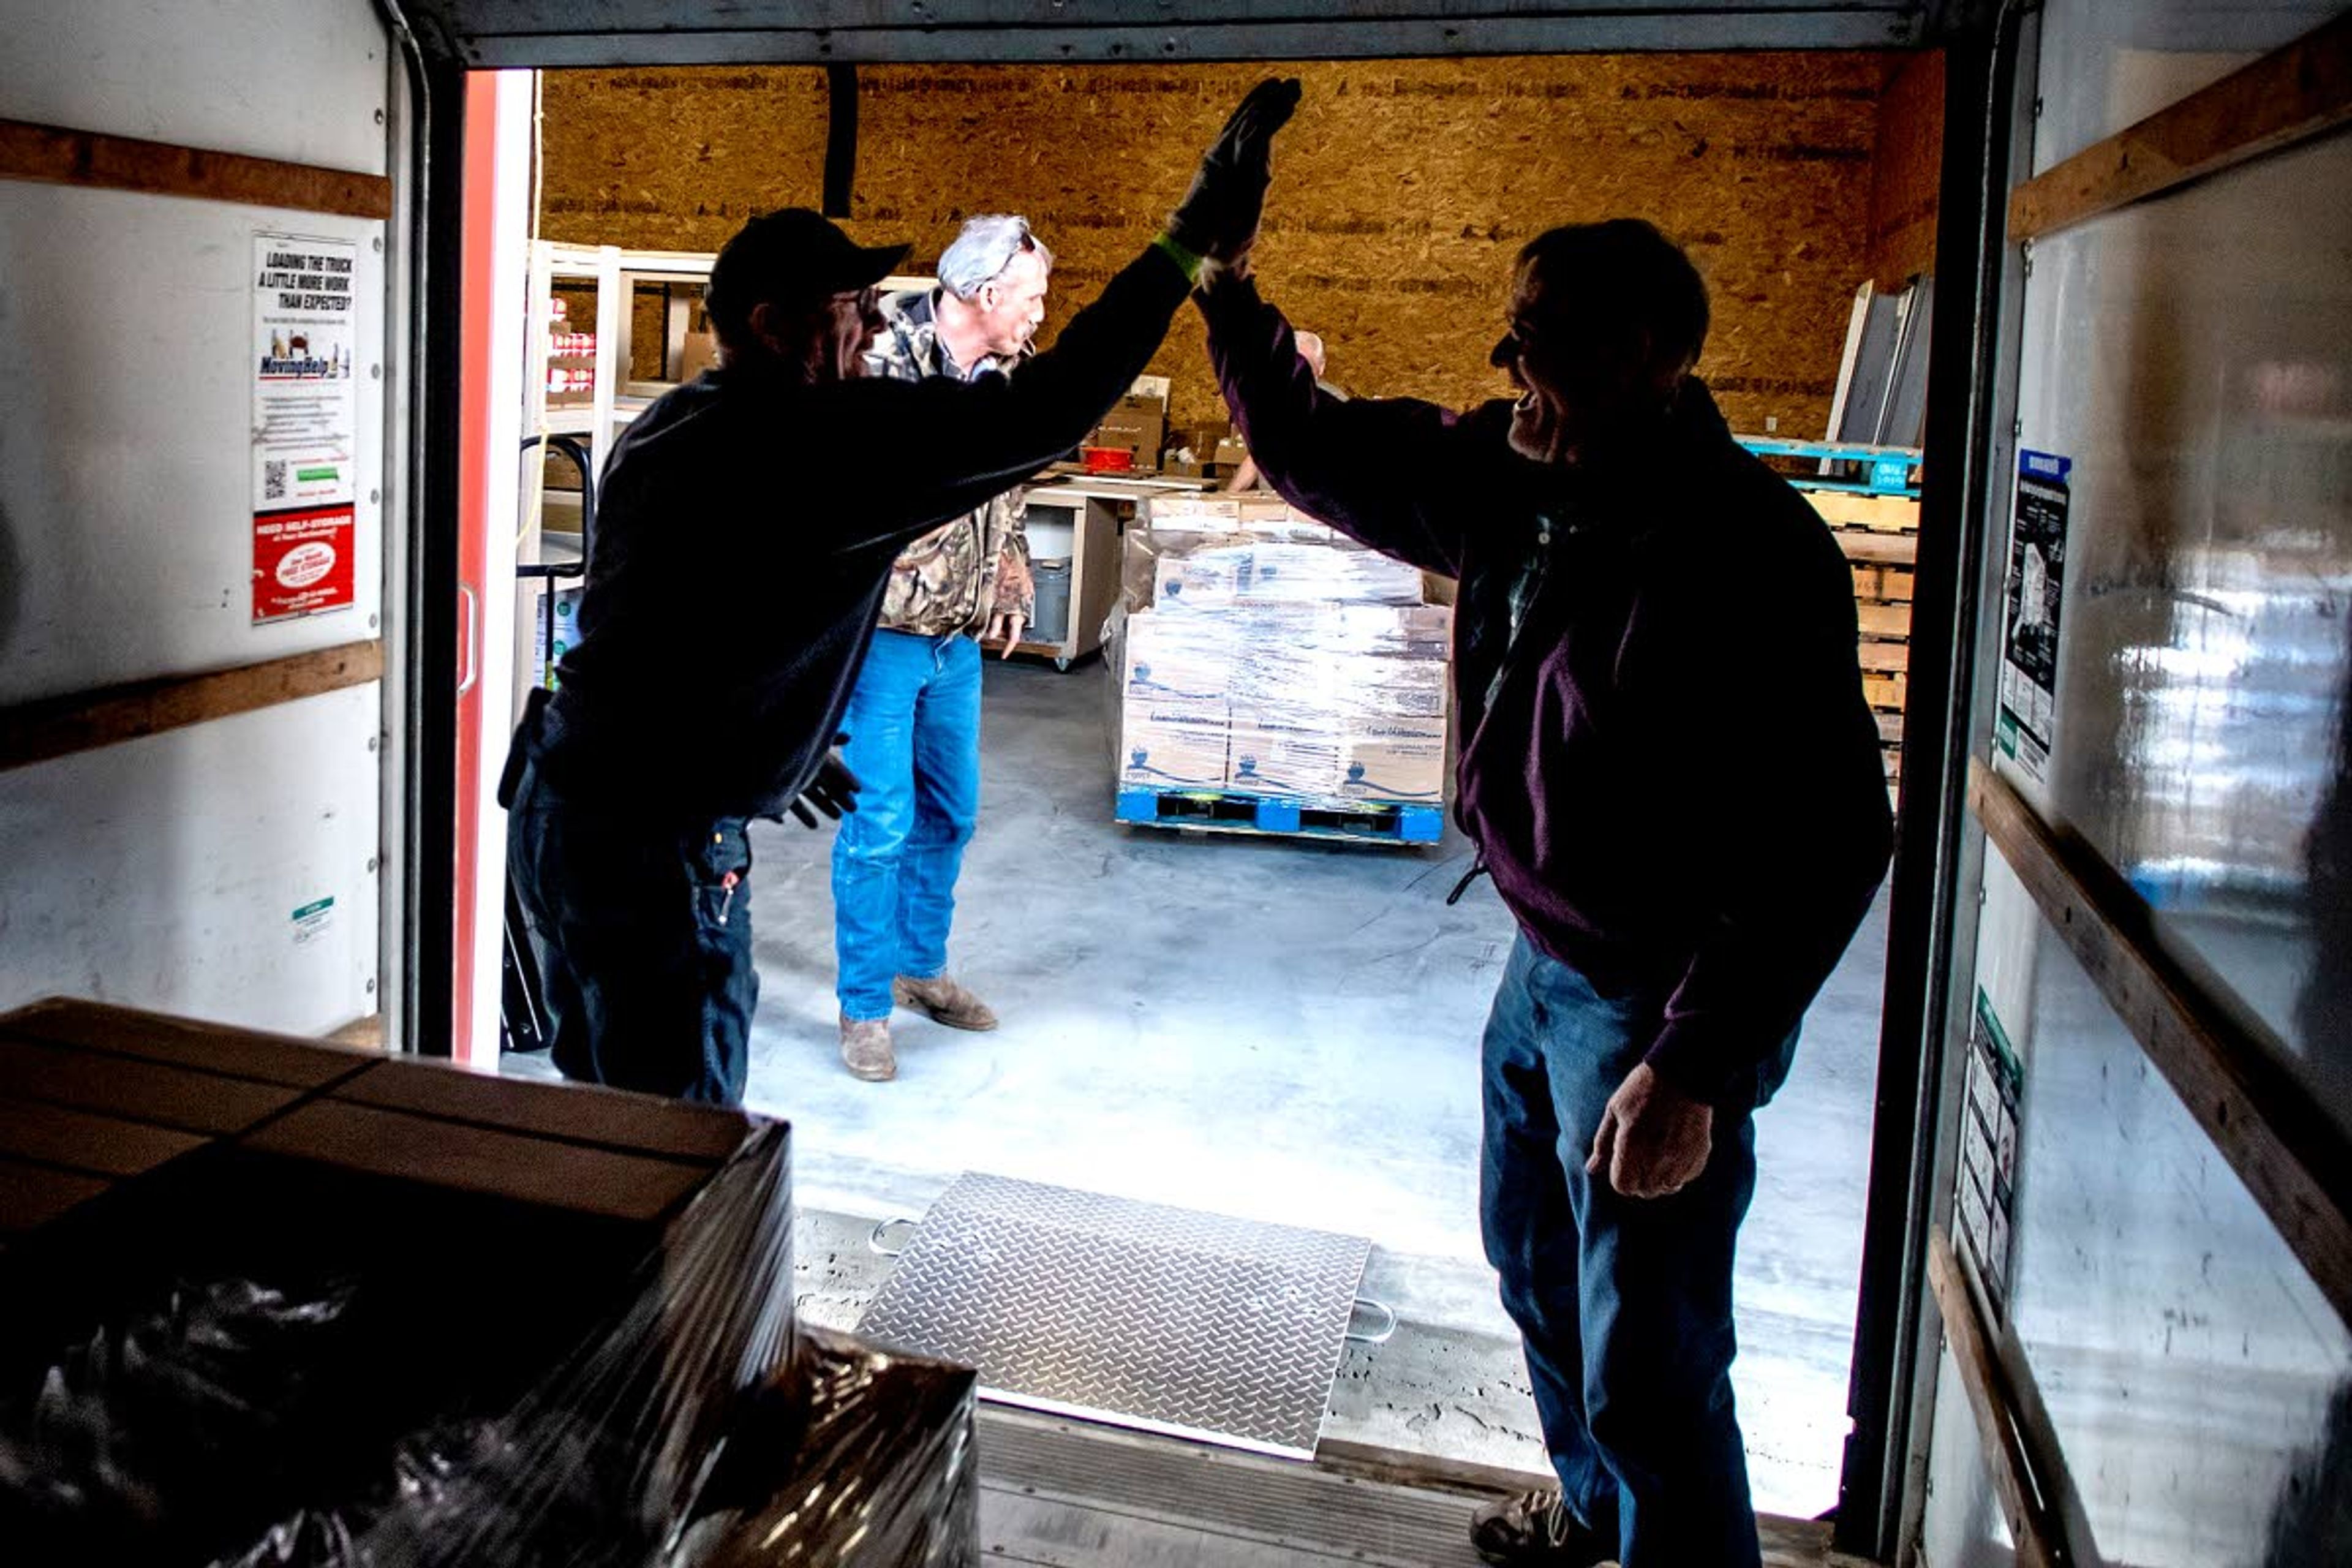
column 1137, row 426
column 354, row 1307
column 1269, row 654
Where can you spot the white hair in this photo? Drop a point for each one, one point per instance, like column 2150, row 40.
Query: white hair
column 983, row 248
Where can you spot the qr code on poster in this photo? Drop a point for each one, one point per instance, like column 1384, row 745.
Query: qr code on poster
column 273, row 479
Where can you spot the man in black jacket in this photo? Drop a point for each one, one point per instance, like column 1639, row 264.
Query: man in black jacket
column 1668, row 767
column 746, row 530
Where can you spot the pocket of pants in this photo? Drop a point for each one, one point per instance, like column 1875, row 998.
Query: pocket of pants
column 718, row 873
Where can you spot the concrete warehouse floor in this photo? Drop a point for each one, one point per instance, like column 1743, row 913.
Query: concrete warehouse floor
column 1278, row 1029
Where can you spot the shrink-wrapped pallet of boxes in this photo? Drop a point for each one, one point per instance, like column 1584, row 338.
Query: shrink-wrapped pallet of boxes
column 1278, row 677
column 227, row 1263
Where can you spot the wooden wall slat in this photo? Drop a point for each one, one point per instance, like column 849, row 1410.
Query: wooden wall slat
column 2288, row 95
column 2294, row 1165
column 60, row 155
column 60, row 726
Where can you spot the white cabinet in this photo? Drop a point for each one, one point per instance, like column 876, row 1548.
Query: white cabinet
column 1081, row 524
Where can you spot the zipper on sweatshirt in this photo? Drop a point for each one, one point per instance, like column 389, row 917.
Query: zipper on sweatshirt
column 1524, row 593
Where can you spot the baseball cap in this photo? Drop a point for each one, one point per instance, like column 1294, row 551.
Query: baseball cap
column 790, row 256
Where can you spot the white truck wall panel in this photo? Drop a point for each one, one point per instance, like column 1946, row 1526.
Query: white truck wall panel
column 272, row 79
column 2192, row 354
column 2113, row 63
column 167, row 872
column 125, row 423
column 2204, row 390
column 1961, row 1526
column 2187, row 1360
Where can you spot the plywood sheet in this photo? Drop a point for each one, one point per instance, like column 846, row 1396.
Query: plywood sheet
column 1404, row 189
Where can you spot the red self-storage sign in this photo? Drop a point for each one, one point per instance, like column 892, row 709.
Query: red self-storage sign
column 302, row 561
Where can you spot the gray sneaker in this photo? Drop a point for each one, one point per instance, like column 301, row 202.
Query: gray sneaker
column 866, row 1049
column 1534, row 1530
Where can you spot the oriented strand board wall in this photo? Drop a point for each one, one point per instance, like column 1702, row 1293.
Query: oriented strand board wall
column 1402, row 191
column 1909, row 164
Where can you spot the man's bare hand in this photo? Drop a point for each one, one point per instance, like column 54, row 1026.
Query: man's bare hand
column 1007, row 624
column 1654, row 1139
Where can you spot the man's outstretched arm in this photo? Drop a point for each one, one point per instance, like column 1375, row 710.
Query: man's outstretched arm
column 983, row 437
column 1391, row 472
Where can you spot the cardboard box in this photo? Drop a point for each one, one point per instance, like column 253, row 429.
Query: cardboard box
column 1138, row 424
column 1182, row 468
column 1184, row 657
column 1276, row 572
column 161, row 1167
column 1399, row 759
column 702, row 352
column 1275, row 757
column 1232, row 450
column 1206, row 579
column 1314, row 687
column 1400, row 631
column 1316, row 571
column 1173, row 742
column 1242, row 515
column 630, row 1157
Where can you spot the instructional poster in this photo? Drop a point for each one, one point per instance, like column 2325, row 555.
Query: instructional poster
column 2037, row 577
column 305, row 424
column 1987, row 1205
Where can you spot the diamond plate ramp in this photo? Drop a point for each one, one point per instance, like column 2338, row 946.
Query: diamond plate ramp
column 1164, row 1320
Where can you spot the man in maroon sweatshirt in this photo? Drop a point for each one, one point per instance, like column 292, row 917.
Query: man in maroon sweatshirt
column 1668, row 768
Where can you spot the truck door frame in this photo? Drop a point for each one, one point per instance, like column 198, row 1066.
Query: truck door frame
column 456, row 36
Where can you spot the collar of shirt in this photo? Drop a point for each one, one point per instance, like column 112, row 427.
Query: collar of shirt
column 911, row 348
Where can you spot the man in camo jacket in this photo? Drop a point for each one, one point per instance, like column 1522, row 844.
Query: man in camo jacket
column 914, row 720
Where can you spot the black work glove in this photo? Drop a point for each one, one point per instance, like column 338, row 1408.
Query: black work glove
column 1218, row 217
column 833, row 791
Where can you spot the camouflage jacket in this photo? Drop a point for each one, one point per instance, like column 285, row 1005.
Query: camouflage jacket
column 955, row 577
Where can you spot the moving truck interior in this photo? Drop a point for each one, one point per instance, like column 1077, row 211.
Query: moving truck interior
column 324, row 319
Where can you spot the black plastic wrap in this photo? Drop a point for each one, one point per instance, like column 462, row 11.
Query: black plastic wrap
column 261, row 1363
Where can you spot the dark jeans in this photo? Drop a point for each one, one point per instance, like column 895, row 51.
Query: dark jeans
column 644, row 945
column 1624, row 1303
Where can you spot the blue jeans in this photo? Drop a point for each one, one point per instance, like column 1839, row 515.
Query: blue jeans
column 643, row 933
column 1624, row 1303
column 914, row 743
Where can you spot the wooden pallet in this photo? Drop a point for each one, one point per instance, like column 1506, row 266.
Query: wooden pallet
column 1238, row 811
column 1879, row 538
column 1882, row 585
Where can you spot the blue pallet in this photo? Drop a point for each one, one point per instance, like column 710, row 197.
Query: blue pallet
column 1237, row 811
column 1886, row 470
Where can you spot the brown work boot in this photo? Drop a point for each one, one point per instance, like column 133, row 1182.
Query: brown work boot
column 945, row 1001
column 866, row 1049
column 1536, row 1529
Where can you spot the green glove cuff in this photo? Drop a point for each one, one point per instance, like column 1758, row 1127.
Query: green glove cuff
column 1189, row 261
